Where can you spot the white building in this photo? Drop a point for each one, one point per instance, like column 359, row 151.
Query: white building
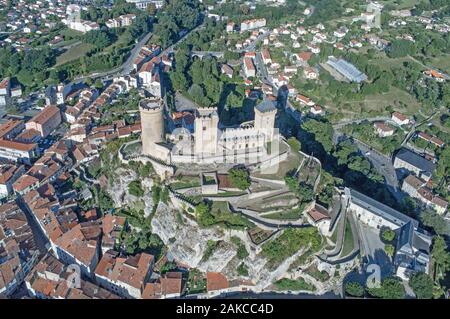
column 252, row 24
column 400, row 119
column 413, row 245
column 18, row 152
column 249, row 68
column 143, row 4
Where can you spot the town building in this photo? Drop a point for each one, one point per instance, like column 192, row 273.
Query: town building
column 10, row 129
column 45, row 121
column 413, row 247
column 227, row 70
column 417, row 188
column 125, row 276
column 406, row 160
column 143, row 4
column 169, row 285
column 51, row 279
column 248, row 67
column 18, row 251
column 383, row 130
column 5, row 91
column 400, row 119
column 346, row 69
column 19, row 152
column 252, row 24
column 265, row 54
column 80, row 245
column 8, row 175
column 121, row 21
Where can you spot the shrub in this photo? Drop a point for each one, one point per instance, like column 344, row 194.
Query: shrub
column 354, row 289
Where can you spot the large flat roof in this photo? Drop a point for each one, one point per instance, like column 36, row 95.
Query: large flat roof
column 379, row 209
column 416, row 160
column 347, row 69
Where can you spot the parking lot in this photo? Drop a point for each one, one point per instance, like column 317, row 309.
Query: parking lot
column 373, row 249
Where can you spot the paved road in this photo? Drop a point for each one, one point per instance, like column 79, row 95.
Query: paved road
column 383, row 165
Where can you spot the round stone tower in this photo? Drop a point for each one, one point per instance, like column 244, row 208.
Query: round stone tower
column 152, row 124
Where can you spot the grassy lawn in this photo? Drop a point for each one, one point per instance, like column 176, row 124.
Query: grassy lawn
column 292, row 214
column 403, row 4
column 348, row 240
column 218, row 207
column 441, row 63
column 74, row 53
column 228, row 193
column 70, row 33
column 293, row 285
column 291, row 163
column 318, row 275
column 185, row 181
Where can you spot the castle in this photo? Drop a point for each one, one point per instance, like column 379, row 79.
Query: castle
column 209, row 143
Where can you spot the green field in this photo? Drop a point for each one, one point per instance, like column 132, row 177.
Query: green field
column 74, row 53
column 294, row 285
column 403, row 4
column 348, row 240
column 442, row 63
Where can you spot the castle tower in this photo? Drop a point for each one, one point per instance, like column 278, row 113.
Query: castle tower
column 152, row 123
column 265, row 118
column 206, row 131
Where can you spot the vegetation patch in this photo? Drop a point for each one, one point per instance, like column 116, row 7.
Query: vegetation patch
column 289, row 242
column 294, row 285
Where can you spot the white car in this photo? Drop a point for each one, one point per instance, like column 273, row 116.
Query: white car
column 367, row 154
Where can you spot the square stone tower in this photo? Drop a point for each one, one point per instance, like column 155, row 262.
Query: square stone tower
column 265, row 118
column 206, row 131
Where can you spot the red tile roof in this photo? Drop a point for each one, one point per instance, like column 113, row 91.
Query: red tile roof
column 216, row 281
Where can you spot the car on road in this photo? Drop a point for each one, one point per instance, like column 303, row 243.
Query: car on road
column 368, row 153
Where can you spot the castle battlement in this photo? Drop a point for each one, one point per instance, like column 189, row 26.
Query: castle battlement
column 206, row 112
column 151, row 104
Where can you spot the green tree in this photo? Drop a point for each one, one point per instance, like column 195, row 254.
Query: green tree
column 151, row 9
column 294, row 144
column 322, row 131
column 422, row 285
column 135, row 188
column 435, row 221
column 441, row 256
column 388, row 234
column 242, row 270
column 389, row 249
column 391, row 288
column 354, row 288
column 239, row 178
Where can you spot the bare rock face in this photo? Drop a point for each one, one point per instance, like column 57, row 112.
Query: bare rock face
column 119, row 190
column 187, row 243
